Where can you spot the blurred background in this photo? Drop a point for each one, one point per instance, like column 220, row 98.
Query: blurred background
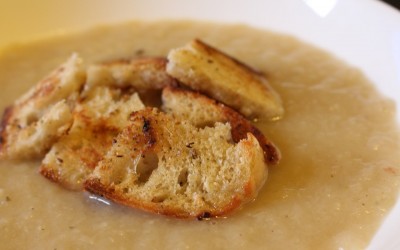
column 394, row 3
column 23, row 19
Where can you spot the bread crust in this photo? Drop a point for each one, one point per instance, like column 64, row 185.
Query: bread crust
column 96, row 187
column 97, row 120
column 143, row 74
column 150, row 132
column 50, row 97
column 197, row 159
column 226, row 79
column 222, row 113
column 5, row 120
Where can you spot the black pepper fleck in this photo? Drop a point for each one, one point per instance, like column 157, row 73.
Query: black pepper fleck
column 146, row 126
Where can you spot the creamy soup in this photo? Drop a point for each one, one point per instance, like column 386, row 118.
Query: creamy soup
column 337, row 180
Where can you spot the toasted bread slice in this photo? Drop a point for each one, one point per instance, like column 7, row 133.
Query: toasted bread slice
column 141, row 73
column 208, row 70
column 146, row 75
column 165, row 165
column 43, row 114
column 97, row 120
column 202, row 111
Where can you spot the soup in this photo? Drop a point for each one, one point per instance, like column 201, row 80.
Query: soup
column 337, row 179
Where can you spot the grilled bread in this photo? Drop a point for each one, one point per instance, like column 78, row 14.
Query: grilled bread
column 108, row 97
column 43, row 114
column 208, row 70
column 146, row 75
column 197, row 158
column 202, row 111
column 166, row 165
column 141, row 73
column 97, row 120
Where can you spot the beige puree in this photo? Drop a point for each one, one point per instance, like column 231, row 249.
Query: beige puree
column 338, row 177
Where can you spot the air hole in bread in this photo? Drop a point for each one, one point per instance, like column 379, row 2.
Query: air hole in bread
column 145, row 166
column 231, row 141
column 151, row 98
column 159, row 198
column 205, row 124
column 31, row 118
column 183, row 177
column 118, row 175
column 116, row 95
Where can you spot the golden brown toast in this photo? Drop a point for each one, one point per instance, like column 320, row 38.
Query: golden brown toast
column 202, row 111
column 141, row 73
column 165, row 165
column 108, row 98
column 97, row 120
column 210, row 71
column 43, row 114
column 197, row 159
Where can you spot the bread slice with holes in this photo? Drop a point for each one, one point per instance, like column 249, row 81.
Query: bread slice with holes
column 202, row 111
column 208, row 70
column 166, row 165
column 97, row 120
column 146, row 75
column 141, row 73
column 43, row 114
column 102, row 110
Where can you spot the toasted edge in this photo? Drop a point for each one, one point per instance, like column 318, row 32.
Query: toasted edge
column 226, row 79
column 239, row 124
column 149, row 138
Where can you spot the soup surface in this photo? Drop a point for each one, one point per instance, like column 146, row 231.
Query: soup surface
column 338, row 177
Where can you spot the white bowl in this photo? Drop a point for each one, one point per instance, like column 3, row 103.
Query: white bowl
column 365, row 34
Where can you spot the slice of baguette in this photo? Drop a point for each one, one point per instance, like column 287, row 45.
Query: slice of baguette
column 97, row 121
column 141, row 73
column 202, row 111
column 165, row 165
column 146, row 75
column 208, row 70
column 43, row 114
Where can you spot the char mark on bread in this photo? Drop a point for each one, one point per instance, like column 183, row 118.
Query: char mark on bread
column 202, row 111
column 209, row 70
column 156, row 171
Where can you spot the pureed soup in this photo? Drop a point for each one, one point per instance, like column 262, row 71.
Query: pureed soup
column 337, row 180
